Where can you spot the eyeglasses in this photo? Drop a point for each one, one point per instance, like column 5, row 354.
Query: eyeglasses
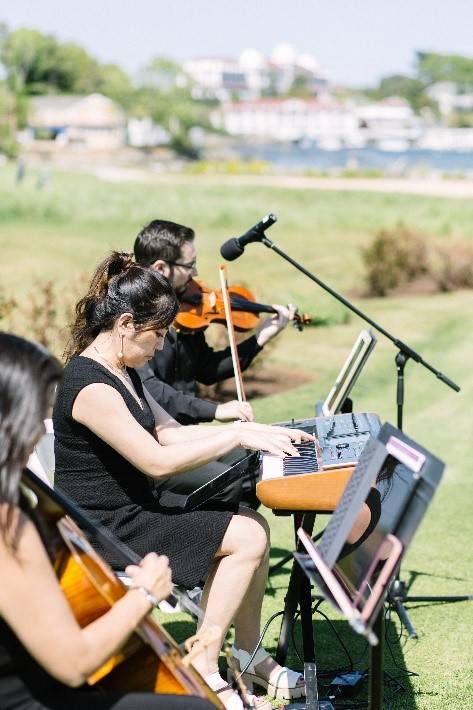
column 191, row 267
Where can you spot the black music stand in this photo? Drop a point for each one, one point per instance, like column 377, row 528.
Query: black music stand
column 355, row 578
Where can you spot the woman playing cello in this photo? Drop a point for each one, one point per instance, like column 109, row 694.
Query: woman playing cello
column 45, row 657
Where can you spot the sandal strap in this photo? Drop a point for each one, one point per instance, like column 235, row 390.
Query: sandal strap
column 284, row 678
column 216, row 682
column 279, row 677
column 243, row 657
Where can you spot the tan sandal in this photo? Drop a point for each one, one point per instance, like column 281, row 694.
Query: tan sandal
column 282, row 684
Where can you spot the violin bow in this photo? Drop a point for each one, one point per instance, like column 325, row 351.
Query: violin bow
column 231, row 333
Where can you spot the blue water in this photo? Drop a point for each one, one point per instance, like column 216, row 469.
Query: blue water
column 293, row 157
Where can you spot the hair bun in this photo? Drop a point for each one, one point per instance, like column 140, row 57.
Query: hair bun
column 120, row 261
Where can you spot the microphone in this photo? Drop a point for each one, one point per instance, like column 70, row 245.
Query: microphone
column 233, row 248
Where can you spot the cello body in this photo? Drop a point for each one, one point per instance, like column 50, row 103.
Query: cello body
column 151, row 660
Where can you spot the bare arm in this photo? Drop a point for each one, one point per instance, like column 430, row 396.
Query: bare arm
column 101, row 409
column 168, row 431
column 33, row 605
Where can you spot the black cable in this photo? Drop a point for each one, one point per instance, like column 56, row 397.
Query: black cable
column 404, row 671
column 296, row 616
column 342, row 644
column 260, row 641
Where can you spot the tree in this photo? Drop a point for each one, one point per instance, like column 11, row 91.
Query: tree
column 116, row 84
column 28, row 56
column 165, row 95
column 433, row 67
column 73, row 71
column 8, row 122
column 413, row 90
column 302, row 87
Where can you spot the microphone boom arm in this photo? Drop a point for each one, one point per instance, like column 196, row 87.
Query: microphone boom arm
column 406, row 350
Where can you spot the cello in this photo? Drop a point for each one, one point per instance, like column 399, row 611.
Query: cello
column 150, row 660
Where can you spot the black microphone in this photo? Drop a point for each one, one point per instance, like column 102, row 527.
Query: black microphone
column 233, row 248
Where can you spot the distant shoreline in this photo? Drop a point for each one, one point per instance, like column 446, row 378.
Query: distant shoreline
column 456, row 189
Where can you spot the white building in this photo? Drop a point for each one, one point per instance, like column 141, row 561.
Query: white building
column 252, row 74
column 450, row 99
column 390, row 124
column 144, row 133
column 216, row 78
column 286, row 119
column 441, row 138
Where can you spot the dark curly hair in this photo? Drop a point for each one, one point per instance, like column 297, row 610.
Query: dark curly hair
column 161, row 239
column 119, row 285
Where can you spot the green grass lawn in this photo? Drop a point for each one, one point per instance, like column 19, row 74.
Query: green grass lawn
column 61, row 231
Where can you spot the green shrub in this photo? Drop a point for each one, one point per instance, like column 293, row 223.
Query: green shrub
column 44, row 314
column 395, row 257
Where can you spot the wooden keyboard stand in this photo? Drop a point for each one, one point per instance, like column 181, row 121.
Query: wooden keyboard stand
column 302, row 496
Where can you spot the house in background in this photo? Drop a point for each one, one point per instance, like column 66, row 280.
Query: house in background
column 253, row 75
column 92, row 122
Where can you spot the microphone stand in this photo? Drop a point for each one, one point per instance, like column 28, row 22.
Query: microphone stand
column 397, row 595
column 405, row 351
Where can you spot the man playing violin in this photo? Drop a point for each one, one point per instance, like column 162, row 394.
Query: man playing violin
column 186, row 357
column 171, row 376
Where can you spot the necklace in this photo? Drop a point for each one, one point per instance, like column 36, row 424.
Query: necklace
column 121, row 371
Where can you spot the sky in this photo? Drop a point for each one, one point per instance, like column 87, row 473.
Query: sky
column 356, row 42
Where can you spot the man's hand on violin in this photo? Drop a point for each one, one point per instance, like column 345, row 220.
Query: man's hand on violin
column 272, row 326
column 231, row 411
column 273, row 439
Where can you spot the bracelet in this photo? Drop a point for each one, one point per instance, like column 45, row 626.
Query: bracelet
column 146, row 593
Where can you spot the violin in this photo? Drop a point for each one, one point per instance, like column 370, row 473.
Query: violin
column 201, row 306
column 151, row 660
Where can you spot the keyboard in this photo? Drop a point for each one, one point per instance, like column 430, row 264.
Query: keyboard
column 308, row 461
column 341, row 438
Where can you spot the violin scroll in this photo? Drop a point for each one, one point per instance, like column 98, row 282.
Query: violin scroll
column 300, row 320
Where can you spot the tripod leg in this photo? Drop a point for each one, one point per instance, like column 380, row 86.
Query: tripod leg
column 396, row 597
column 461, row 598
column 403, row 615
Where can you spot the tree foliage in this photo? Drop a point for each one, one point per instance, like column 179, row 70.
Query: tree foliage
column 413, row 90
column 38, row 64
column 430, row 68
column 433, row 67
column 8, row 122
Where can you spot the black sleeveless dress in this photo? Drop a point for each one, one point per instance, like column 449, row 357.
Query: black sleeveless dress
column 119, row 496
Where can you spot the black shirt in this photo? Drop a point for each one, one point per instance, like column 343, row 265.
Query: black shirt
column 171, row 375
